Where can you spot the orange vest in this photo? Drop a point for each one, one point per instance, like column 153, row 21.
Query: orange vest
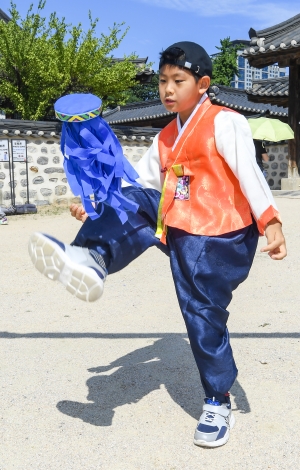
column 216, row 204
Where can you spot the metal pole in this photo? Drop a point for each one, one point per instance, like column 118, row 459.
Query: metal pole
column 27, row 178
column 10, row 174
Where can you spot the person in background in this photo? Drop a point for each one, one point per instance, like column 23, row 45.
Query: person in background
column 261, row 155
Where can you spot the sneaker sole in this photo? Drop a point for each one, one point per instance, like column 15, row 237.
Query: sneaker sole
column 220, row 442
column 50, row 260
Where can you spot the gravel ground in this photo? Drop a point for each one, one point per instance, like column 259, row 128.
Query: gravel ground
column 113, row 385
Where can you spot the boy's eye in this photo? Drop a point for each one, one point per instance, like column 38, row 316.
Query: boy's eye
column 179, row 81
column 161, row 80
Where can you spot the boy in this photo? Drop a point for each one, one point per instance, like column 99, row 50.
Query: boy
column 201, row 189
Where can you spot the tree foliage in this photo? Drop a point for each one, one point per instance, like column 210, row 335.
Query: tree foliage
column 225, row 63
column 42, row 60
column 144, row 91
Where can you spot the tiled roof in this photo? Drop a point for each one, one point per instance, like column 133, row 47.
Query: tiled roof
column 134, row 112
column 4, row 16
column 220, row 95
column 280, row 40
column 274, row 90
column 238, row 100
column 144, row 74
column 21, row 128
column 52, row 129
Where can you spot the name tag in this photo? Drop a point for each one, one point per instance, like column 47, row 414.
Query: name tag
column 182, row 191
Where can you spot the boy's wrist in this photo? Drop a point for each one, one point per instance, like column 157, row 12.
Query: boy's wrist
column 273, row 222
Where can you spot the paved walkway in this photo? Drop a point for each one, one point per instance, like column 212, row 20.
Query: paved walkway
column 113, row 385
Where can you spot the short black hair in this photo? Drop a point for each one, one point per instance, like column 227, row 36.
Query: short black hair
column 170, row 57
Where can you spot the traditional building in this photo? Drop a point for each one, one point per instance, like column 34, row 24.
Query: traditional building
column 152, row 113
column 274, row 91
column 4, row 16
column 280, row 44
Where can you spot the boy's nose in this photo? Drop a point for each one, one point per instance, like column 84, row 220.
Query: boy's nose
column 169, row 89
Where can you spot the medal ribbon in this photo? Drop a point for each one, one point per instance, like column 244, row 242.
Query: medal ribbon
column 171, row 180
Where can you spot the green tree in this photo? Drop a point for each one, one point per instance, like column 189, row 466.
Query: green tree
column 144, row 91
column 41, row 61
column 225, row 63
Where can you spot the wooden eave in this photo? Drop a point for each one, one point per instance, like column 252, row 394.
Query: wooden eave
column 282, row 57
column 268, row 99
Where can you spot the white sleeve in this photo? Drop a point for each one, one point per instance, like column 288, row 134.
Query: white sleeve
column 148, row 168
column 235, row 143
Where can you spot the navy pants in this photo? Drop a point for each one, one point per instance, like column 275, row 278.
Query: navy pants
column 205, row 271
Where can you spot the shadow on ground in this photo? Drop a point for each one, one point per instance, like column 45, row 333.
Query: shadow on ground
column 168, row 362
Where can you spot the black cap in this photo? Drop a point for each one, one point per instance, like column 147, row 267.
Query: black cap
column 195, row 58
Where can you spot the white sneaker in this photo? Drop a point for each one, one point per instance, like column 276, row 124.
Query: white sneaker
column 80, row 270
column 214, row 425
column 3, row 220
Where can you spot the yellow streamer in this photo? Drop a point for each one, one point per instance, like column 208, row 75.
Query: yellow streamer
column 161, row 229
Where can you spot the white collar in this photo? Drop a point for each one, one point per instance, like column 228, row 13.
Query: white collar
column 180, row 128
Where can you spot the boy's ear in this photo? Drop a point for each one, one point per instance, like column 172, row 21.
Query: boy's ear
column 204, row 84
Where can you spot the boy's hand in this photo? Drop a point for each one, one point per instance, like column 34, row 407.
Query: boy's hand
column 276, row 242
column 78, row 212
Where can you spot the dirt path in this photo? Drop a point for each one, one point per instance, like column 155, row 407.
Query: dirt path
column 113, row 385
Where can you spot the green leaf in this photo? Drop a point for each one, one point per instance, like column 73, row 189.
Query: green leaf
column 42, row 59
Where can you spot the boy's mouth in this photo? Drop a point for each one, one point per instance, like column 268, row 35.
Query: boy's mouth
column 169, row 101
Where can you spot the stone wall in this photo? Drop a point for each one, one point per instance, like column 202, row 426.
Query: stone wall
column 277, row 166
column 47, row 179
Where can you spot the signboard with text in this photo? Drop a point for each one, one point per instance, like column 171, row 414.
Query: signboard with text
column 4, row 151
column 19, row 150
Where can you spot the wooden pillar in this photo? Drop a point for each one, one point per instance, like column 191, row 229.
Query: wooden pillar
column 294, row 112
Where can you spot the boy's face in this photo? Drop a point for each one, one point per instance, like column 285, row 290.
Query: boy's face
column 179, row 91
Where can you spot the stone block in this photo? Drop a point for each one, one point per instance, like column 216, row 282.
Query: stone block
column 38, row 180
column 23, row 182
column 292, row 184
column 6, row 166
column 283, row 166
column 54, row 170
column 46, row 192
column 60, row 190
column 1, row 184
column 6, row 195
column 61, row 201
column 2, row 176
column 44, row 150
column 42, row 160
column 76, row 200
column 32, row 194
column 56, row 160
column 41, row 202
column 22, row 172
column 53, row 180
column 31, row 149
